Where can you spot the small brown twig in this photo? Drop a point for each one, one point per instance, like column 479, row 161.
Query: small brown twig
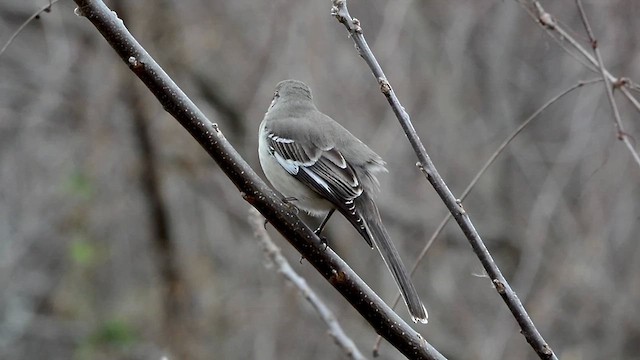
column 528, row 328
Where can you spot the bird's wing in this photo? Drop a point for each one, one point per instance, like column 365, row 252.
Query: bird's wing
column 325, row 170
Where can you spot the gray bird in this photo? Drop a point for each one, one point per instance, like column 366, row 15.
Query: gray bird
column 322, row 167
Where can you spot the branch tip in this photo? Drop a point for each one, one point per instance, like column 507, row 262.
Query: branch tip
column 337, row 10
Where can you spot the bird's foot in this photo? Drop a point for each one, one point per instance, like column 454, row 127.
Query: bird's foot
column 289, row 201
column 322, row 238
column 325, row 242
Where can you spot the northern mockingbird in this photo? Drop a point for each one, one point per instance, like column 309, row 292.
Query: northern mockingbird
column 322, row 167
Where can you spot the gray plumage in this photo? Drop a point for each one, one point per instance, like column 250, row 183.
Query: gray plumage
column 308, row 156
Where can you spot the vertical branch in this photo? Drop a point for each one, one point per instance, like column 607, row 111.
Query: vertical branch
column 529, row 330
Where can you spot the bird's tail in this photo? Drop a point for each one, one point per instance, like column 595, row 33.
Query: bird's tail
column 374, row 231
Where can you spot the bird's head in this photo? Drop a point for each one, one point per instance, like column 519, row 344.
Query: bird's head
column 291, row 90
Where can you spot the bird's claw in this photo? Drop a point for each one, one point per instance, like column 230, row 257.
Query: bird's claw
column 289, row 202
column 322, row 238
column 325, row 242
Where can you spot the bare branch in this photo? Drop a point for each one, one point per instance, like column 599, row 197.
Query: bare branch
column 35, row 15
column 622, row 135
column 551, row 26
column 340, row 11
column 481, row 172
column 272, row 252
column 253, row 189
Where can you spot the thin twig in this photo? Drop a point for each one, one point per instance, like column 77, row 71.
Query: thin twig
column 340, row 11
column 272, row 251
column 46, row 8
column 552, row 26
column 481, row 172
column 370, row 306
column 559, row 40
column 622, row 135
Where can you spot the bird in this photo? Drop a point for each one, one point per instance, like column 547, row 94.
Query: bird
column 321, row 167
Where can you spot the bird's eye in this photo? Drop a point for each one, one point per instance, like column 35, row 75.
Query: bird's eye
column 273, row 101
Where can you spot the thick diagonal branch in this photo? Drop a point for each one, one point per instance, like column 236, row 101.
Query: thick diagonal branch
column 253, row 189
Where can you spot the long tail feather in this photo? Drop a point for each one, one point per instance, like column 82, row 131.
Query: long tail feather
column 374, row 231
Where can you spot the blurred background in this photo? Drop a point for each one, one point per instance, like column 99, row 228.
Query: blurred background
column 121, row 239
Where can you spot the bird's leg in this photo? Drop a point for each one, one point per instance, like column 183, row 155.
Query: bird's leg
column 324, row 222
column 318, row 231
